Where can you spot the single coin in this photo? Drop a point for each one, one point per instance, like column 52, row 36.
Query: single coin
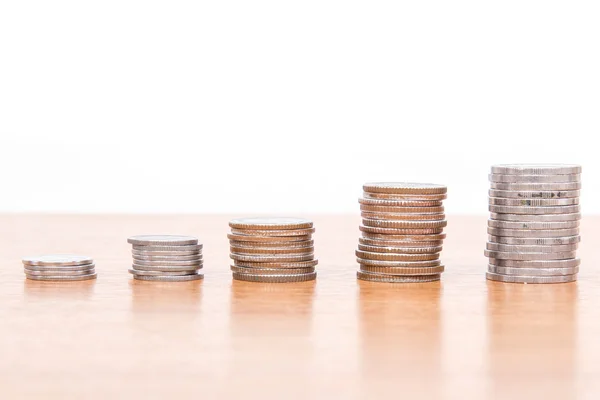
column 536, row 218
column 534, row 178
column 58, row 260
column 555, row 248
column 60, row 273
column 401, row 243
column 400, row 203
column 535, row 241
column 502, row 255
column 400, row 231
column 397, row 264
column 276, row 265
column 254, row 238
column 61, row 278
column 492, row 223
column 273, row 271
column 147, row 253
column 193, row 257
column 272, row 250
column 532, row 271
column 185, row 248
column 530, row 279
column 406, row 238
column 403, row 217
column 535, row 210
column 83, row 267
column 169, row 268
column 404, row 224
column 512, row 194
column 166, row 263
column 161, row 273
column 401, row 250
column 169, row 278
column 162, row 240
column 275, row 278
column 532, row 187
column 402, row 210
column 499, row 201
column 404, row 188
column 275, row 223
column 268, row 245
column 274, row 232
column 396, row 256
column 373, row 277
column 535, row 263
column 272, row 258
column 533, row 233
column 402, row 271
column 536, row 169
column 405, row 196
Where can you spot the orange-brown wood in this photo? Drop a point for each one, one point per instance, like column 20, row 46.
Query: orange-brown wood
column 461, row 338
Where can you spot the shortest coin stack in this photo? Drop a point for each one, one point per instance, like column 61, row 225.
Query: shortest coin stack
column 59, row 267
column 275, row 250
column 166, row 258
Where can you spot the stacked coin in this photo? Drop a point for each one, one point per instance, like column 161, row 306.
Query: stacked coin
column 166, row 258
column 534, row 223
column 273, row 250
column 59, row 267
column 402, row 232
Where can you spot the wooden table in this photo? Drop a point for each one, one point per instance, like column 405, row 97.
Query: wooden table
column 462, row 338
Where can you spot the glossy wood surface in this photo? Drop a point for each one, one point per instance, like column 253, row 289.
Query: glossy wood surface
column 336, row 338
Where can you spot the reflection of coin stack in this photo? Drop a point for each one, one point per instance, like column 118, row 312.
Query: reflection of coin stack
column 166, row 258
column 534, row 223
column 60, row 267
column 402, row 232
column 272, row 249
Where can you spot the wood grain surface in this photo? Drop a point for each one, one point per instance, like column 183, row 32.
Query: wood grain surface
column 336, row 338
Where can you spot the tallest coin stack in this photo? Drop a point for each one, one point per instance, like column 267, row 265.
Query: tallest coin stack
column 534, row 223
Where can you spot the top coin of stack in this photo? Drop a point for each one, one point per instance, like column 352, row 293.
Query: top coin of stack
column 59, row 267
column 272, row 249
column 534, row 223
column 166, row 258
column 402, row 232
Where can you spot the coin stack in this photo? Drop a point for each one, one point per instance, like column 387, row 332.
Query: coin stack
column 534, row 223
column 166, row 258
column 402, row 232
column 275, row 250
column 60, row 267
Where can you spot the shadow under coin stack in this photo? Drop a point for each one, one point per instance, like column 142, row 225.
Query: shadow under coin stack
column 275, row 250
column 534, row 223
column 402, row 232
column 59, row 268
column 166, row 258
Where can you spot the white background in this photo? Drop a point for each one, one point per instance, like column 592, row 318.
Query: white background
column 288, row 106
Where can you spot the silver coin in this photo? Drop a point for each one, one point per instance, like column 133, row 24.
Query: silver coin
column 162, row 240
column 574, row 262
column 404, row 196
column 531, row 249
column 375, row 277
column 161, row 273
column 400, row 243
column 536, row 169
column 400, row 203
column 532, row 187
column 276, row 265
column 534, row 178
column 60, row 273
column 276, row 258
column 499, row 201
column 271, row 223
column 536, row 218
column 404, row 187
column 535, row 241
column 535, row 210
column 61, row 278
column 155, row 263
column 403, row 217
column 521, row 194
column 492, row 223
column 145, row 253
column 404, row 264
column 169, row 278
column 533, row 271
column 533, row 233
column 152, row 248
column 169, row 268
column 401, row 250
column 196, row 257
column 58, row 260
column 83, row 267
column 530, row 279
column 502, row 255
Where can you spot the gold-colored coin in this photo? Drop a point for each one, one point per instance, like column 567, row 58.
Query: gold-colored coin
column 276, row 265
column 404, row 188
column 273, row 239
column 400, row 243
column 268, row 245
column 404, row 224
column 402, row 271
column 396, row 256
column 373, row 277
column 271, row 250
column 400, row 203
column 273, row 232
column 403, row 217
column 275, row 278
column 272, row 271
column 403, row 264
column 273, row 223
column 402, row 210
column 401, row 250
column 272, row 258
column 413, row 237
column 399, row 231
column 405, row 196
